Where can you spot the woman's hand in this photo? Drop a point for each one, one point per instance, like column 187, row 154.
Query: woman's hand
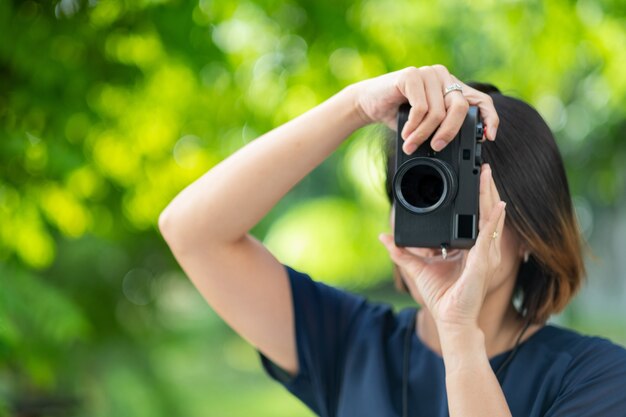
column 453, row 291
column 378, row 99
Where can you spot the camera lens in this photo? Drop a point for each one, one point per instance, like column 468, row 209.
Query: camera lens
column 424, row 184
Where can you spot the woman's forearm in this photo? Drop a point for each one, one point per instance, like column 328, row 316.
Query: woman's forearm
column 226, row 202
column 472, row 387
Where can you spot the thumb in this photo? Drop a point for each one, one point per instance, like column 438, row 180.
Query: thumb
column 400, row 255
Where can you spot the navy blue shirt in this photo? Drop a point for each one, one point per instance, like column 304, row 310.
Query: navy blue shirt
column 350, row 355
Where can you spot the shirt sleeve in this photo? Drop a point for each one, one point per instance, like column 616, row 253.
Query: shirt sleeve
column 324, row 318
column 595, row 383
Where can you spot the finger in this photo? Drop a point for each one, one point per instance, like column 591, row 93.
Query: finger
column 436, row 108
column 456, row 109
column 497, row 242
column 411, row 86
column 491, row 121
column 487, row 249
column 455, row 115
column 481, row 255
column 419, row 107
column 485, row 236
column 422, row 252
column 399, row 255
column 494, row 190
column 484, row 196
column 500, row 226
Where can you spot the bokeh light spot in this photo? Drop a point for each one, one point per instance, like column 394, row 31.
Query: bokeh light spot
column 137, row 286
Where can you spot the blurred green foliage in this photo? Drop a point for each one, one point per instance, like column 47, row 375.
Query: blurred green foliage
column 109, row 108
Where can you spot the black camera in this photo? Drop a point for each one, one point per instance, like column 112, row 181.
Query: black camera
column 436, row 193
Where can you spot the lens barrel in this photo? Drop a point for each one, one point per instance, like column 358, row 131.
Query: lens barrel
column 423, row 185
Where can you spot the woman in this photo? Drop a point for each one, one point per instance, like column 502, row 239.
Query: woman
column 468, row 351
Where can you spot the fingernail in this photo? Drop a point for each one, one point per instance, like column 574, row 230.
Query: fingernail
column 410, row 148
column 493, row 133
column 438, row 145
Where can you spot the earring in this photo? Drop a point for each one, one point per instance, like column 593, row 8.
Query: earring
column 526, row 256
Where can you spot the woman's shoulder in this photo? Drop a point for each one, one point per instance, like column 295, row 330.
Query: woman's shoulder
column 561, row 339
column 579, row 373
column 587, row 356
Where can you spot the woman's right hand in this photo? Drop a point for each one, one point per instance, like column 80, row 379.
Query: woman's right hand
column 378, row 99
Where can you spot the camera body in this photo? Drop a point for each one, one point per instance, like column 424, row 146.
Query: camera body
column 436, row 193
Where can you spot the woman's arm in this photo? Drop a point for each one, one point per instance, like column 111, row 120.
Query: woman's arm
column 237, row 193
column 472, row 387
column 455, row 302
column 207, row 224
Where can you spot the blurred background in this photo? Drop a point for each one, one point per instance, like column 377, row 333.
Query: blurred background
column 108, row 108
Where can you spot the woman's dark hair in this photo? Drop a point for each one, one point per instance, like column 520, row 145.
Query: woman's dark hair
column 530, row 177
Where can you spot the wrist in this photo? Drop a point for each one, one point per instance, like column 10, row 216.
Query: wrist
column 462, row 347
column 453, row 336
column 353, row 92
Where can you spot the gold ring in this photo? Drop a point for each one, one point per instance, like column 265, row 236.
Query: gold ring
column 494, row 234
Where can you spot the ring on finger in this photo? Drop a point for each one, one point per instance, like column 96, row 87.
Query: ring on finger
column 453, row 87
column 494, row 234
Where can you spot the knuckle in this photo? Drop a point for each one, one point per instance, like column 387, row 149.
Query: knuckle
column 427, row 70
column 407, row 75
column 441, row 69
column 420, row 108
column 460, row 106
column 438, row 115
column 411, row 71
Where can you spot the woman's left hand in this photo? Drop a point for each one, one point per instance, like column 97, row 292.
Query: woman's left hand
column 454, row 292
